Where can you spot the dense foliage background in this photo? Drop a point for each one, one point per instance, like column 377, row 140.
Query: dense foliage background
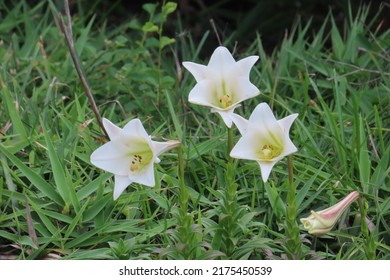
column 332, row 68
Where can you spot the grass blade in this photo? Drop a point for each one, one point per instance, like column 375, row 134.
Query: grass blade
column 34, row 178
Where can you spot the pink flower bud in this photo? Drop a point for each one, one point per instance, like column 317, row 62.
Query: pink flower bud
column 321, row 222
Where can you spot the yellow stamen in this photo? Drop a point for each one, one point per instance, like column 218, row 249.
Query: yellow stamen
column 269, row 151
column 225, row 101
column 139, row 161
column 136, row 163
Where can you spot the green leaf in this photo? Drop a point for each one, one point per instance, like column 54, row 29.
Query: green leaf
column 9, row 236
column 96, row 207
column 174, row 117
column 93, row 186
column 382, row 171
column 13, row 111
column 150, row 8
column 149, row 27
column 165, row 41
column 46, row 221
column 34, row 178
column 26, row 240
column 277, row 204
column 168, row 8
column 364, row 161
column 337, row 41
column 121, row 41
column 58, row 169
column 76, row 219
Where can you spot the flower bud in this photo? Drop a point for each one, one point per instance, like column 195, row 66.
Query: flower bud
column 321, row 222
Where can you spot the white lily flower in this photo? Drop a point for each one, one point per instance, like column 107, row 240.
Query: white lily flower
column 223, row 84
column 264, row 139
column 130, row 155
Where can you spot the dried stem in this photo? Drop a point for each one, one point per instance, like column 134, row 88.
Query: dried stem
column 358, row 69
column 30, row 225
column 67, row 31
column 215, row 31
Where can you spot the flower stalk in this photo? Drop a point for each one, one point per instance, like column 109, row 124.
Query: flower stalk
column 369, row 243
column 230, row 208
column 293, row 242
column 187, row 237
column 183, row 193
column 229, row 143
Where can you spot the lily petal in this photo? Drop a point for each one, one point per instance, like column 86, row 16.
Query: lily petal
column 161, row 147
column 135, row 127
column 221, row 58
column 264, row 120
column 199, row 71
column 289, row 147
column 240, row 122
column 244, row 65
column 286, row 122
column 225, row 115
column 266, row 167
column 262, row 115
column 121, row 183
column 112, row 157
column 112, row 130
column 246, row 147
column 245, row 89
column 200, row 94
column 146, row 177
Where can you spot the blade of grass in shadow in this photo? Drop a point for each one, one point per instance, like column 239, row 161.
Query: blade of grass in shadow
column 364, row 160
column 96, row 207
column 34, row 178
column 76, row 219
column 54, row 231
column 13, row 111
column 58, row 171
column 339, row 145
column 30, row 225
column 93, row 186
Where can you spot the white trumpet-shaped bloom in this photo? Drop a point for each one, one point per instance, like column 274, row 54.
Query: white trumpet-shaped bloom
column 264, row 139
column 130, row 155
column 223, row 84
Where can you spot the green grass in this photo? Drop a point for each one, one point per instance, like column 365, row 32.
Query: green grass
column 338, row 80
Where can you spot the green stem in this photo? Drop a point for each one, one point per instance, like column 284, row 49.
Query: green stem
column 183, row 192
column 229, row 224
column 369, row 246
column 186, row 234
column 292, row 230
column 229, row 143
column 291, row 172
column 230, row 210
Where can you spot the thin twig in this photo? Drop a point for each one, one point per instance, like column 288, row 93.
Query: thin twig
column 385, row 57
column 215, row 31
column 67, row 31
column 30, row 225
column 358, row 69
column 373, row 146
column 179, row 71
